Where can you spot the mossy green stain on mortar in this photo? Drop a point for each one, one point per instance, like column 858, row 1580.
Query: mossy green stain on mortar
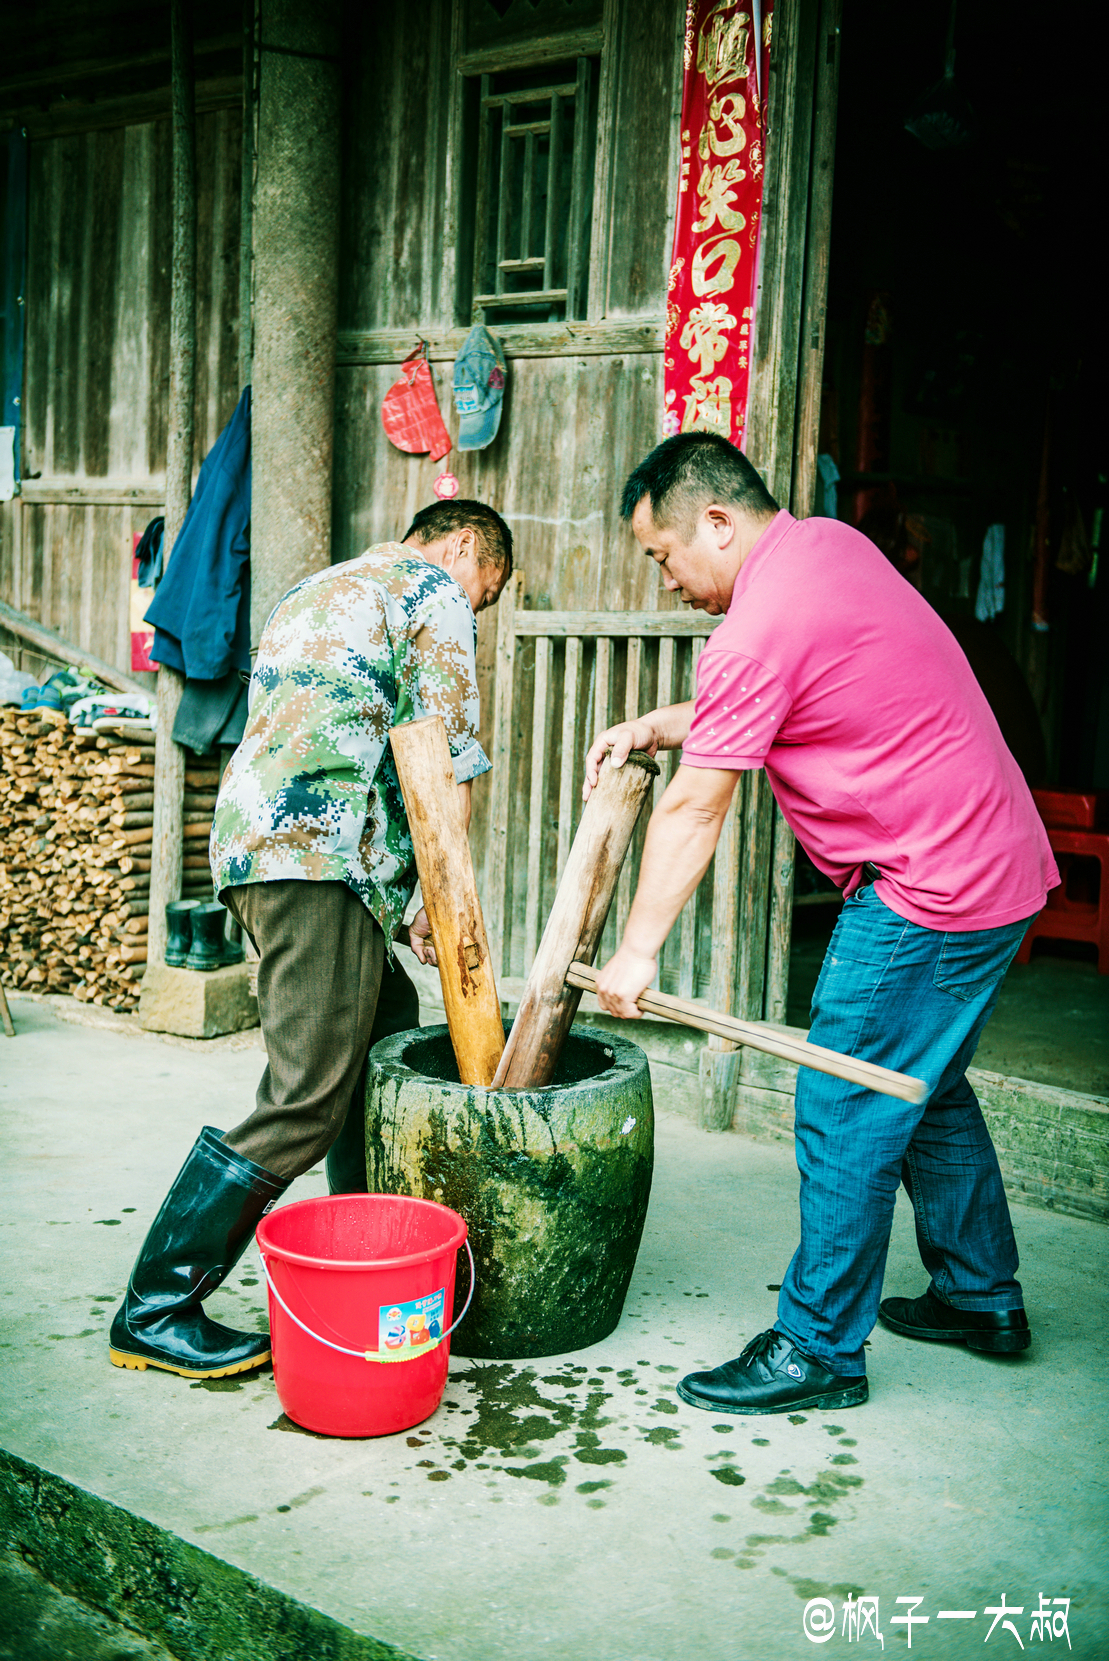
column 553, row 1184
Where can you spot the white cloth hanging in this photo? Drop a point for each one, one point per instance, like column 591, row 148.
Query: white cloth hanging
column 991, row 580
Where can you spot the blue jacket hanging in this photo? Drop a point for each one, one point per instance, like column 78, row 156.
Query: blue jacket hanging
column 201, row 608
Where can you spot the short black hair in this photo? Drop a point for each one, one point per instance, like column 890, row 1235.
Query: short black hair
column 683, row 474
column 494, row 539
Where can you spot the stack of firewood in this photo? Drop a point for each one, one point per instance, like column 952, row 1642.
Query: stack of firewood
column 76, row 811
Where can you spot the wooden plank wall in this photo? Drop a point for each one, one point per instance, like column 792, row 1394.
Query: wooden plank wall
column 96, row 376
column 573, row 425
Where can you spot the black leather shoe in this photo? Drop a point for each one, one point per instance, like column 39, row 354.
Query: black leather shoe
column 205, row 1224
column 771, row 1376
column 997, row 1331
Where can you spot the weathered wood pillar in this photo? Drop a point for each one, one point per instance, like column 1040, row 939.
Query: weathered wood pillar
column 246, row 204
column 169, row 758
column 296, row 248
column 786, row 372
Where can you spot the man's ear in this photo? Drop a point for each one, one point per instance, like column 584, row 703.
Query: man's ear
column 723, row 525
column 458, row 543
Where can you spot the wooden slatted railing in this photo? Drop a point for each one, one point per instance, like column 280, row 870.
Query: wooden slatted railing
column 562, row 677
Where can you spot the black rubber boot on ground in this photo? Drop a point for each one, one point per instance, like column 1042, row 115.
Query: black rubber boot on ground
column 208, row 923
column 179, row 933
column 206, row 1222
column 772, row 1376
column 997, row 1332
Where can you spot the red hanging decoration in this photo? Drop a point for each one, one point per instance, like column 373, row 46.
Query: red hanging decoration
column 410, row 410
column 710, row 305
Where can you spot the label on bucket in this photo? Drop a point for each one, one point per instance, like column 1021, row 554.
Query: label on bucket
column 408, row 1327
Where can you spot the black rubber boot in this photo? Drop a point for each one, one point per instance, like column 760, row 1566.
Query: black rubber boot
column 205, row 1224
column 179, row 933
column 398, row 1010
column 208, row 922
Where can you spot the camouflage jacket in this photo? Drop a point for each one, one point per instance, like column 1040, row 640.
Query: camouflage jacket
column 312, row 790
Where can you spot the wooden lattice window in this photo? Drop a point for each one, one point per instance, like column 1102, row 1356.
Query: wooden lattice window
column 533, row 179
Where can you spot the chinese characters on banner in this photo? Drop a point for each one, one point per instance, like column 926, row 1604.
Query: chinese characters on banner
column 710, row 303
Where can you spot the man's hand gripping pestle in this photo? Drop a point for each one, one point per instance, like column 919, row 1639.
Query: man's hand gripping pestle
column 561, row 971
column 576, row 923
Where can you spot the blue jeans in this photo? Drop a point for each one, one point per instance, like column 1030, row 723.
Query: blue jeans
column 916, row 1000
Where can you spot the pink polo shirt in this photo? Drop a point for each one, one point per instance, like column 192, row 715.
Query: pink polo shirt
column 833, row 673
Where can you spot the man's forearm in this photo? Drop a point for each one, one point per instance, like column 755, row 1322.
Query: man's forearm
column 671, row 724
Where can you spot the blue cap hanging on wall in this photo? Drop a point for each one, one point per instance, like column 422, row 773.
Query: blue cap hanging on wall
column 480, row 372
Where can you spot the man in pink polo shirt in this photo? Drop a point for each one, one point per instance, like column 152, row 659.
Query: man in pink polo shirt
column 836, row 676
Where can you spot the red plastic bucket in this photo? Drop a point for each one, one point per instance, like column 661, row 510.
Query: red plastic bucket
column 361, row 1287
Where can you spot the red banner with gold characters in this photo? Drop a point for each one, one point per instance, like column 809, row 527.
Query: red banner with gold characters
column 710, row 302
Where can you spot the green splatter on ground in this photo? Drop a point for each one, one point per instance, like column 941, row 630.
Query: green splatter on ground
column 589, row 1452
column 283, row 1422
column 816, row 1589
column 661, row 1435
column 784, row 1485
column 551, row 1471
column 510, row 1411
column 513, row 1411
column 729, row 1476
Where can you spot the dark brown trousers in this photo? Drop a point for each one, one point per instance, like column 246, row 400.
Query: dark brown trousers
column 325, row 995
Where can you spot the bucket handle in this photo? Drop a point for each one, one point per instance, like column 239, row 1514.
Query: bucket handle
column 371, row 1355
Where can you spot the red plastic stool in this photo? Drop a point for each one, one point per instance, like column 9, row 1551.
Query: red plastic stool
column 1070, row 817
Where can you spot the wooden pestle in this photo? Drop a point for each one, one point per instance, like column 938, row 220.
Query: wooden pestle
column 576, row 923
column 431, row 801
column 759, row 1036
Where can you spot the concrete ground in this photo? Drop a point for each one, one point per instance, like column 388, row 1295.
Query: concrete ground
column 573, row 1507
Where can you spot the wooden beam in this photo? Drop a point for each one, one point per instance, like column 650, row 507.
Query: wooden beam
column 450, row 896
column 246, row 203
column 50, row 642
column 756, row 1036
column 519, row 340
column 89, row 68
column 615, row 625
column 576, row 923
column 61, row 120
column 551, row 49
column 65, row 490
column 169, row 758
column 818, row 245
column 771, row 414
column 499, row 925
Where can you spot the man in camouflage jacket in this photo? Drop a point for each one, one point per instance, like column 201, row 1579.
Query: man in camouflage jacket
column 311, row 852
